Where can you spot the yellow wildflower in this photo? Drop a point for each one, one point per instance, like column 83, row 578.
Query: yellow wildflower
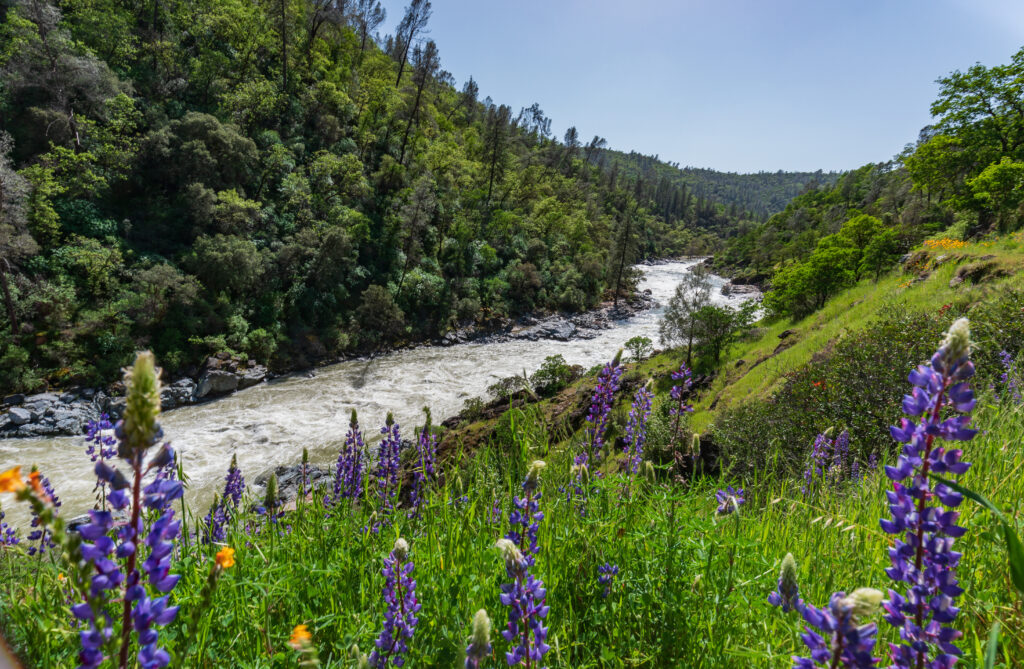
column 10, row 481
column 225, row 557
column 300, row 637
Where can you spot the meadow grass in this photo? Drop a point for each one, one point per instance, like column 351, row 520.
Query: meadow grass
column 691, row 590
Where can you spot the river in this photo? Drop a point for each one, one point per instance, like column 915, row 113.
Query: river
column 269, row 425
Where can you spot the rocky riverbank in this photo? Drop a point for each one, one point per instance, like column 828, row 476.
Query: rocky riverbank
column 68, row 413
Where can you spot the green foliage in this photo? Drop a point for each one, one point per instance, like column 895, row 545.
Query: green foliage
column 553, row 375
column 639, row 347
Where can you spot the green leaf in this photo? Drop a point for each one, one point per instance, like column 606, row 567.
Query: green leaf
column 1014, row 549
column 993, row 646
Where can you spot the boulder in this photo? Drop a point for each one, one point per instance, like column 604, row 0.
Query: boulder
column 68, row 398
column 14, row 400
column 19, row 416
column 252, row 376
column 42, row 398
column 216, row 382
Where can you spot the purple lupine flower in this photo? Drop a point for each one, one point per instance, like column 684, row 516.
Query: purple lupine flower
column 480, row 643
column 400, row 617
column 786, row 593
column 847, row 644
column 234, row 483
column 386, row 472
column 526, row 515
column 830, row 462
column 423, row 471
column 925, row 560
column 1010, row 379
column 101, row 444
column 684, row 379
column 636, row 429
column 40, row 539
column 138, row 432
column 526, row 598
column 8, row 536
column 495, row 516
column 348, row 475
column 729, row 500
column 599, row 414
column 222, row 510
column 606, row 575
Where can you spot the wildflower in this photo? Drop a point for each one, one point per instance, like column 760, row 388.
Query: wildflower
column 234, row 483
column 400, row 618
column 300, row 637
column 10, row 480
column 525, row 596
column 426, row 453
column 348, row 475
column 8, row 536
column 684, row 377
column 526, row 515
column 925, row 560
column 386, row 471
column 225, row 557
column 636, row 429
column 606, row 574
column 42, row 535
column 599, row 414
column 480, row 643
column 848, row 644
column 786, row 594
column 729, row 500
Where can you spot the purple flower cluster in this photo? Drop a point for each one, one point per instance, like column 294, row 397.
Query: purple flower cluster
column 684, row 381
column 599, row 414
column 216, row 521
column 526, row 598
column 100, row 443
column 606, row 575
column 348, row 475
column 426, row 454
column 41, row 539
column 729, row 500
column 636, row 429
column 847, row 644
column 386, row 472
column 8, row 536
column 1010, row 380
column 400, row 617
column 924, row 558
column 526, row 515
column 830, row 463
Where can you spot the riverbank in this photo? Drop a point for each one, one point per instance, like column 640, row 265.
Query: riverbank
column 68, row 413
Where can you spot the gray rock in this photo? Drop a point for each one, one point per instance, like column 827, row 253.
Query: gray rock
column 88, row 393
column 70, row 426
column 19, row 416
column 252, row 376
column 68, row 398
column 42, row 398
column 216, row 382
column 12, row 400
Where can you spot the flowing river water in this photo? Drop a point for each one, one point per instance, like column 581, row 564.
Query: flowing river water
column 269, row 425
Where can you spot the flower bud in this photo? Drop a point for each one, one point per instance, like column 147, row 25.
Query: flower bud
column 481, row 629
column 863, row 602
column 401, row 549
column 957, row 342
column 142, row 404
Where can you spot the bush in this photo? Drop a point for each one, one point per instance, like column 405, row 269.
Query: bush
column 554, row 375
column 639, row 347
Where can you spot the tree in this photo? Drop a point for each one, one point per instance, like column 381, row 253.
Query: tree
column 425, row 64
column 718, row 327
column 417, row 14
column 368, row 15
column 880, row 253
column 496, row 129
column 16, row 243
column 380, row 319
column 625, row 248
column 1000, row 187
column 858, row 232
column 678, row 324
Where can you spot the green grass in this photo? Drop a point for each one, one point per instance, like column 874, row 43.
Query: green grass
column 691, row 590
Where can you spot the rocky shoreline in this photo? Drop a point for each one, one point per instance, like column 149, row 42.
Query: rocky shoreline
column 68, row 413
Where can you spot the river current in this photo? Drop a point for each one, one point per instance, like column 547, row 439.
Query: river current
column 269, row 425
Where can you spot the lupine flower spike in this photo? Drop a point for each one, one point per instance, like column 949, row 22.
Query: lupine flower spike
column 924, row 559
column 845, row 643
column 606, row 575
column 386, row 471
column 400, row 617
column 636, row 428
column 599, row 415
column 729, row 500
column 787, row 594
column 480, row 643
column 348, row 476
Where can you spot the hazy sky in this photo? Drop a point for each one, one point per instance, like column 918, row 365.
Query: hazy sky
column 733, row 85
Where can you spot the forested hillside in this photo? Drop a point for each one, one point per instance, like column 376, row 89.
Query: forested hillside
column 962, row 179
column 755, row 196
column 276, row 179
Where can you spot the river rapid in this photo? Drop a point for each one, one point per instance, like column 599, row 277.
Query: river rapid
column 269, row 425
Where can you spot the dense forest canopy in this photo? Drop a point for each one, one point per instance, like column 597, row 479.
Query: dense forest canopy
column 277, row 178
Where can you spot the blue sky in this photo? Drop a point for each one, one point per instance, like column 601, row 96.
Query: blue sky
column 735, row 85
